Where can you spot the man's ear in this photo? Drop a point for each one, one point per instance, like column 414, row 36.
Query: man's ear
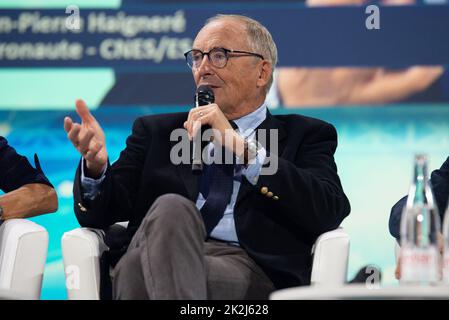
column 265, row 71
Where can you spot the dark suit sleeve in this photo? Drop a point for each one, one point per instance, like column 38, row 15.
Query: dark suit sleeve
column 16, row 170
column 118, row 190
column 394, row 223
column 310, row 193
column 440, row 187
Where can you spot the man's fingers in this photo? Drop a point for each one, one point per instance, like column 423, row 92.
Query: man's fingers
column 194, row 126
column 90, row 156
column 67, row 124
column 81, row 139
column 73, row 134
column 188, row 124
column 85, row 141
column 92, row 152
column 83, row 111
column 198, row 114
column 198, row 117
column 201, row 116
column 88, row 138
column 96, row 147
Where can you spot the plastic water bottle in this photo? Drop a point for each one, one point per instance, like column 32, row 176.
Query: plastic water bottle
column 420, row 224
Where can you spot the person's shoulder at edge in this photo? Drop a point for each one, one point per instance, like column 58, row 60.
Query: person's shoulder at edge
column 3, row 142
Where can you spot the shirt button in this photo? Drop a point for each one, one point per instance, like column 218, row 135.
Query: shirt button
column 82, row 208
column 263, row 190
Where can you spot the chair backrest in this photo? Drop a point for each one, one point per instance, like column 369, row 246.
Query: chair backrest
column 330, row 258
column 23, row 252
column 82, row 249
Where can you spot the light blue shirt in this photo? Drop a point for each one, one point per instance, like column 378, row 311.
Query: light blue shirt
column 225, row 229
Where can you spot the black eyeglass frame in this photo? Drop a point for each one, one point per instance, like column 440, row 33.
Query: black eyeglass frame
column 226, row 52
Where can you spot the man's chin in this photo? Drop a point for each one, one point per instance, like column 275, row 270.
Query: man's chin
column 225, row 108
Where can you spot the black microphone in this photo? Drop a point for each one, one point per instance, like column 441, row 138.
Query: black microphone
column 204, row 95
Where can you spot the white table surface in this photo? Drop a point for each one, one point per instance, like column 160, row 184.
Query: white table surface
column 362, row 292
column 11, row 295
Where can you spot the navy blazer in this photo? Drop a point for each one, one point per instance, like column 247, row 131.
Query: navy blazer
column 439, row 180
column 277, row 234
column 16, row 171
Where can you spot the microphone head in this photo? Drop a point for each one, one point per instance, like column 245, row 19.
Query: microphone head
column 204, row 95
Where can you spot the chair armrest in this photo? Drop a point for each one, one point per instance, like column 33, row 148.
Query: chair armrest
column 330, row 258
column 81, row 252
column 23, row 252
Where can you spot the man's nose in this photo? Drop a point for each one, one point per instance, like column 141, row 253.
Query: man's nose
column 205, row 66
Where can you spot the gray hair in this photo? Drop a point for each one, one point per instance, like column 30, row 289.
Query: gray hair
column 259, row 39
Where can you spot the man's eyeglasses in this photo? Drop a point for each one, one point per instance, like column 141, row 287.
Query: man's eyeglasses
column 217, row 56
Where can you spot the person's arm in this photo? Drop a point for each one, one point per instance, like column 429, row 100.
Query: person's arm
column 28, row 201
column 387, row 87
column 89, row 140
column 440, row 188
column 116, row 193
column 28, row 192
column 90, row 186
column 395, row 218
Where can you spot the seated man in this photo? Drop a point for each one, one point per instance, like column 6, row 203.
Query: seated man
column 440, row 187
column 221, row 234
column 28, row 191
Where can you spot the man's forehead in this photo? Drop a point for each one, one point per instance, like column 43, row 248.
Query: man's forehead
column 221, row 33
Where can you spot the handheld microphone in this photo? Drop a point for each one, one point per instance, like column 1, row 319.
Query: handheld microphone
column 204, row 95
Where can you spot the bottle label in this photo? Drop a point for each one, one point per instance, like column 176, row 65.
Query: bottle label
column 419, row 264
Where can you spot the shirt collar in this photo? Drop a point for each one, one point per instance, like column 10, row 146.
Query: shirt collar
column 248, row 123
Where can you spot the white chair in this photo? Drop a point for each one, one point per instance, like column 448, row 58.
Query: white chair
column 82, row 248
column 329, row 267
column 81, row 252
column 330, row 259
column 23, row 251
